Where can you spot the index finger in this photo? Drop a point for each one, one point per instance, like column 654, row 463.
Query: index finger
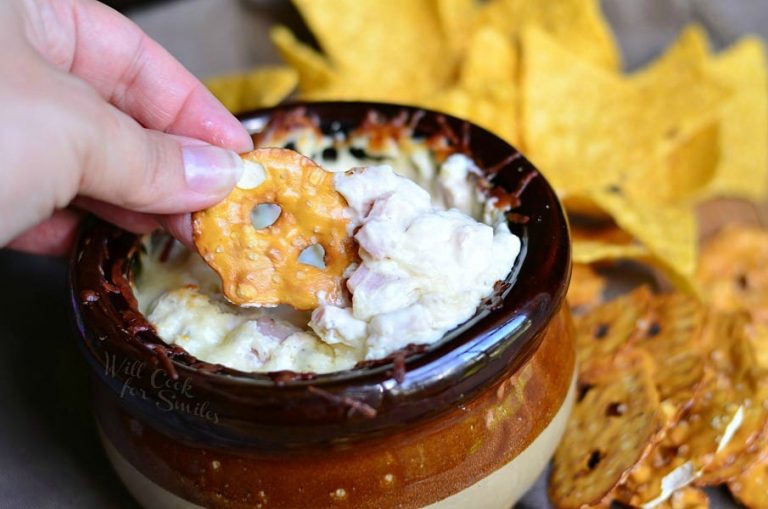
column 138, row 76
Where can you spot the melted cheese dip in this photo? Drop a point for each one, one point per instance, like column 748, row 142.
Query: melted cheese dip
column 426, row 264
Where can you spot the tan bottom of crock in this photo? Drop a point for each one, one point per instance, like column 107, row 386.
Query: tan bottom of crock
column 499, row 490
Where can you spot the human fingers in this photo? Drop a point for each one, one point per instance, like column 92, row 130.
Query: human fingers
column 130, row 70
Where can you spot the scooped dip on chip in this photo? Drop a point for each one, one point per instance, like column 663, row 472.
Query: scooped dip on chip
column 429, row 245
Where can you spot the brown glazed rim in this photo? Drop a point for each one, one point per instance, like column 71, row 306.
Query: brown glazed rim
column 277, row 411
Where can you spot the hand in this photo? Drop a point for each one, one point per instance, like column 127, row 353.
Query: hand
column 98, row 117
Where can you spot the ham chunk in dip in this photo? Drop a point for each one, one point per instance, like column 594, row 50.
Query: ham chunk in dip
column 423, row 270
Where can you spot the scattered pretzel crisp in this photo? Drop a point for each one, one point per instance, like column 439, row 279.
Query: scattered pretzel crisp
column 733, row 271
column 615, row 421
column 665, row 326
column 608, row 328
column 261, row 266
column 671, row 335
column 751, row 487
column 705, row 429
column 751, row 439
column 586, row 288
column 710, row 373
column 686, row 498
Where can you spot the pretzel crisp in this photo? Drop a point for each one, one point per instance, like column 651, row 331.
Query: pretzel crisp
column 261, row 266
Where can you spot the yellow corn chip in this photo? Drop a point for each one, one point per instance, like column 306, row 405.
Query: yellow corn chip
column 391, row 50
column 493, row 110
column 604, row 243
column 575, row 117
column 743, row 166
column 227, row 89
column 588, row 251
column 690, row 164
column 260, row 88
column 680, row 114
column 268, row 87
column 669, row 231
column 457, row 20
column 576, row 24
column 487, row 90
column 315, row 72
column 491, row 59
column 690, row 48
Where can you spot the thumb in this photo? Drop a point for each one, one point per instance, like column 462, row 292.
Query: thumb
column 150, row 171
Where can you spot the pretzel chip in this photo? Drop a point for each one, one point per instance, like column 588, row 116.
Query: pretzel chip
column 751, row 487
column 586, row 289
column 615, row 422
column 733, row 271
column 264, row 264
column 608, row 328
column 686, row 498
column 671, row 335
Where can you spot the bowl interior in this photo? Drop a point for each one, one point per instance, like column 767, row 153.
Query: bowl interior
column 497, row 340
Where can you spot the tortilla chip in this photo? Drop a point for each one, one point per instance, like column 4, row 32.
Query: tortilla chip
column 604, row 242
column 681, row 112
column 491, row 58
column 458, row 19
column 570, row 129
column 743, row 165
column 578, row 25
column 260, row 88
column 586, row 288
column 643, row 176
column 615, row 422
column 268, row 87
column 585, row 251
column 315, row 72
column 690, row 163
column 668, row 231
column 390, row 50
column 227, row 89
column 733, row 271
column 607, row 329
column 486, row 93
column 493, row 109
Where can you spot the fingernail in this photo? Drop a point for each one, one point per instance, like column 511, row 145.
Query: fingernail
column 211, row 170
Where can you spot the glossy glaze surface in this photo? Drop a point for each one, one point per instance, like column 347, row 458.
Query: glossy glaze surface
column 426, row 463
column 499, row 490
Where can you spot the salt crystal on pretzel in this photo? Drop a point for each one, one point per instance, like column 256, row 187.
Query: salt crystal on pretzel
column 265, row 263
